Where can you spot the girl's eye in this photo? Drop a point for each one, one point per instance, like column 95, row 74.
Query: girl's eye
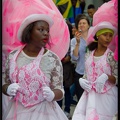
column 105, row 34
column 111, row 35
column 48, row 31
column 41, row 30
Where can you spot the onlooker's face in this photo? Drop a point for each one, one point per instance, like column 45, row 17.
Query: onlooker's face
column 91, row 12
column 83, row 25
column 40, row 34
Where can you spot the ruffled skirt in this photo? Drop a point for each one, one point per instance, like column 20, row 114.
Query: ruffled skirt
column 95, row 106
column 43, row 111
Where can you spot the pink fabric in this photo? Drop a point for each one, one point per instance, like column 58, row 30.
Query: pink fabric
column 31, row 80
column 14, row 11
column 93, row 105
column 116, row 49
column 106, row 12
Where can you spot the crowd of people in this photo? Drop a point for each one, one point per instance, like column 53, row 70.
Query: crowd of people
column 39, row 79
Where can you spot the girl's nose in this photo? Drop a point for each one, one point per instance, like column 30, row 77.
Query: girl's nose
column 108, row 37
column 46, row 32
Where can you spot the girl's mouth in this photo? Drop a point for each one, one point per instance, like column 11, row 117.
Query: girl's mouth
column 45, row 41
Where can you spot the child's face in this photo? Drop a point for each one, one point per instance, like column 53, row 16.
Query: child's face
column 105, row 39
column 40, row 34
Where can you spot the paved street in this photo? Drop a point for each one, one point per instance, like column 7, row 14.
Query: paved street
column 72, row 107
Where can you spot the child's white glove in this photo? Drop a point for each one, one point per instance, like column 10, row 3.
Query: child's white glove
column 100, row 82
column 85, row 84
column 48, row 94
column 12, row 89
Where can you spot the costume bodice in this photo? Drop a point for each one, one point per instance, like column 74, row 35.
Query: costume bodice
column 95, row 69
column 30, row 78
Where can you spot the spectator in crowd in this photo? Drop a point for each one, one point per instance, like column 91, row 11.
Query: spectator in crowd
column 72, row 87
column 91, row 10
column 78, row 49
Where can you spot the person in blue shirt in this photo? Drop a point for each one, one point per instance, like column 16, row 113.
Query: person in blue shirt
column 78, row 49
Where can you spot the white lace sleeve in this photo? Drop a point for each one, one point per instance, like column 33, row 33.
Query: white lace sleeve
column 52, row 67
column 5, row 75
column 57, row 75
column 113, row 64
column 86, row 56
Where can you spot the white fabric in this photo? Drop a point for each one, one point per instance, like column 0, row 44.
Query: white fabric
column 100, row 82
column 48, row 94
column 96, row 102
column 12, row 89
column 44, row 111
column 85, row 84
column 97, row 58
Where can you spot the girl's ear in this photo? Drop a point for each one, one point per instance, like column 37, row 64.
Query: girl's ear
column 96, row 38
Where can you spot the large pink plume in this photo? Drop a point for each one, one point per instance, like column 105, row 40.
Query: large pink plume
column 14, row 12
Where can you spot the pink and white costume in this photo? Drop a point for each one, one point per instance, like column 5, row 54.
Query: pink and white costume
column 14, row 12
column 32, row 75
column 93, row 105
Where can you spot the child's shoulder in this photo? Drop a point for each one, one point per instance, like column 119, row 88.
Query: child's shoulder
column 110, row 53
column 14, row 51
column 52, row 54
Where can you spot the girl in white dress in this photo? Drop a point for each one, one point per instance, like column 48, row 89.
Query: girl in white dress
column 34, row 74
column 99, row 100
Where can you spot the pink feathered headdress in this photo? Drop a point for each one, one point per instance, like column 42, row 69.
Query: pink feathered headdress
column 106, row 13
column 15, row 11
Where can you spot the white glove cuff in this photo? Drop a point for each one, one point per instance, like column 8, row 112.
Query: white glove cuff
column 105, row 76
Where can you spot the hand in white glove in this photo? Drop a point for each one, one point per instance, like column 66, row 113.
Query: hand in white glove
column 85, row 84
column 48, row 94
column 100, row 82
column 12, row 89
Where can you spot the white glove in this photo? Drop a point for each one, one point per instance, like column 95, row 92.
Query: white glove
column 100, row 82
column 48, row 94
column 85, row 84
column 12, row 89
